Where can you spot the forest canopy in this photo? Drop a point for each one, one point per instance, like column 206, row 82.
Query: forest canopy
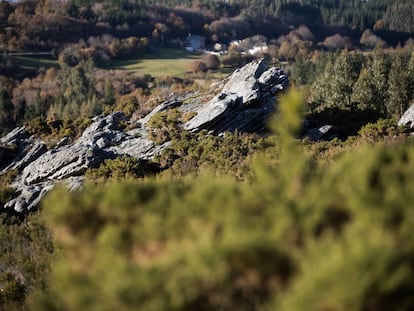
column 46, row 24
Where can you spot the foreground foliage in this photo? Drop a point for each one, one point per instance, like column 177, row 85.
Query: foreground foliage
column 289, row 237
column 26, row 248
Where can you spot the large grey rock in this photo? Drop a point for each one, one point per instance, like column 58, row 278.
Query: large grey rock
column 249, row 119
column 73, row 160
column 28, row 197
column 407, row 118
column 13, row 147
column 273, row 80
column 61, row 163
column 104, row 131
column 140, row 147
column 325, row 132
column 244, row 83
column 27, row 155
column 14, row 136
column 230, row 110
column 212, row 112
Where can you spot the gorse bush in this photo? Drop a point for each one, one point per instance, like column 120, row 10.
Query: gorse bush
column 121, row 168
column 192, row 152
column 54, row 129
column 289, row 237
column 166, row 125
column 380, row 129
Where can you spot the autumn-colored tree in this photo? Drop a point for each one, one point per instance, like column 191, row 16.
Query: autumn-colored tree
column 198, row 66
column 212, row 61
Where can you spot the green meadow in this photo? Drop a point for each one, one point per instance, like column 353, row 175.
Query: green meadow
column 165, row 62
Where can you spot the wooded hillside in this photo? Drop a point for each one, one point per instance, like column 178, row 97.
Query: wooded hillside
column 47, row 24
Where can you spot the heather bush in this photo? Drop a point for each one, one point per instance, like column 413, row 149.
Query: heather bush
column 120, row 168
column 26, row 251
column 380, row 129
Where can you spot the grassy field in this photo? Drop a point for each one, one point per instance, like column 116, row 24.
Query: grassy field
column 165, row 62
column 33, row 62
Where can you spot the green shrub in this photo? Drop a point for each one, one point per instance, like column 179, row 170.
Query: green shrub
column 166, row 126
column 120, row 168
column 380, row 129
column 50, row 128
column 26, row 251
column 128, row 104
column 170, row 118
column 6, row 191
column 6, row 194
column 229, row 154
column 39, row 126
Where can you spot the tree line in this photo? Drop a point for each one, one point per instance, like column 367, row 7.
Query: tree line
column 381, row 81
column 48, row 24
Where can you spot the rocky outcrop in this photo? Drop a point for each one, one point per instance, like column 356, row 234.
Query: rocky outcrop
column 28, row 197
column 244, row 82
column 210, row 114
column 244, row 103
column 72, row 160
column 407, row 118
column 14, row 136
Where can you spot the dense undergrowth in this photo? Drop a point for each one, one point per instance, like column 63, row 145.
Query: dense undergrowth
column 323, row 226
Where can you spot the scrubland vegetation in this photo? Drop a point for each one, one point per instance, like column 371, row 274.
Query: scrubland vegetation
column 294, row 231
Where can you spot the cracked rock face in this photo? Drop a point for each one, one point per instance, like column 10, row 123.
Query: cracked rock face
column 407, row 118
column 62, row 162
column 14, row 136
column 243, row 104
column 212, row 112
column 28, row 197
column 244, row 81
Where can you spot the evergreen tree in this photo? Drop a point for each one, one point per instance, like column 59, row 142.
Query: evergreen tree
column 321, row 89
column 363, row 93
column 334, row 87
column 109, row 93
column 347, row 68
column 410, row 77
column 397, row 87
column 303, row 71
column 379, row 71
column 400, row 15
